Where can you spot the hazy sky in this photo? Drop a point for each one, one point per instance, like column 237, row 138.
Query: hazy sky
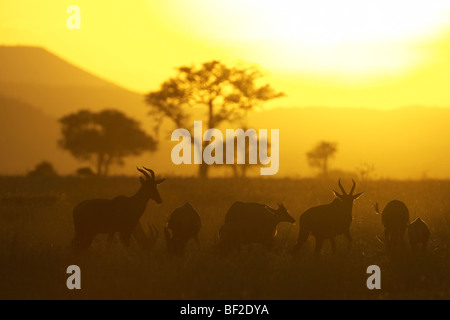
column 380, row 53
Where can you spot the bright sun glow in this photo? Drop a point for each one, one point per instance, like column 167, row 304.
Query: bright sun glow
column 350, row 36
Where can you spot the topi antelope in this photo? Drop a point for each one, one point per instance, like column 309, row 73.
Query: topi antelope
column 419, row 234
column 122, row 214
column 328, row 221
column 183, row 225
column 247, row 223
column 395, row 219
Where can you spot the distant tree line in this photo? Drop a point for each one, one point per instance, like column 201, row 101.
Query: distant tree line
column 319, row 157
column 104, row 138
column 225, row 93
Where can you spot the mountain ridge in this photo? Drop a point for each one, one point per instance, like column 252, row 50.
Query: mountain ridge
column 53, row 70
column 57, row 87
column 365, row 135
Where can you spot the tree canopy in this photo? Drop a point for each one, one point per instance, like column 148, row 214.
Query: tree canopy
column 225, row 93
column 105, row 138
column 320, row 156
column 43, row 169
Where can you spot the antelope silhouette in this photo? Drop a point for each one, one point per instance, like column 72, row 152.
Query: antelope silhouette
column 119, row 215
column 183, row 225
column 395, row 219
column 85, row 172
column 247, row 223
column 419, row 234
column 328, row 221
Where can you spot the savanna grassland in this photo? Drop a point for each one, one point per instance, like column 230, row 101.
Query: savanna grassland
column 36, row 230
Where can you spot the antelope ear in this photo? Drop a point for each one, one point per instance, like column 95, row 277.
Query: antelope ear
column 142, row 180
column 356, row 196
column 337, row 195
column 271, row 210
column 160, row 181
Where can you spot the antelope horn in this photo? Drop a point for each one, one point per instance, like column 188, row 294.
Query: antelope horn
column 342, row 188
column 144, row 173
column 151, row 172
column 380, row 240
column 377, row 208
column 353, row 188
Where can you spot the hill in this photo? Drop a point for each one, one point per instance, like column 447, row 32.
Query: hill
column 19, row 65
column 28, row 136
column 38, row 87
column 403, row 143
column 57, row 87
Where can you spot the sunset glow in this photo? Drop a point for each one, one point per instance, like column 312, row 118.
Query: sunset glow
column 349, row 41
column 352, row 37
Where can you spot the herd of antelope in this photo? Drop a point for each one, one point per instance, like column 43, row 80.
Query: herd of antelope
column 245, row 223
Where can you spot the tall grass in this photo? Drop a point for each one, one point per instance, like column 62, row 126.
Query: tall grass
column 36, row 230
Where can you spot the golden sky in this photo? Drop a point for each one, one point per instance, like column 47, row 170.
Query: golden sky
column 381, row 54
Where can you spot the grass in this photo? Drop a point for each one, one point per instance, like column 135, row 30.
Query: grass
column 36, row 230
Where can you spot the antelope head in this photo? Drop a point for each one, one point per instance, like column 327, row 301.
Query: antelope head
column 281, row 214
column 347, row 198
column 150, row 184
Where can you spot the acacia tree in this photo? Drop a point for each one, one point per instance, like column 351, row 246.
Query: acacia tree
column 104, row 138
column 43, row 169
column 320, row 156
column 225, row 93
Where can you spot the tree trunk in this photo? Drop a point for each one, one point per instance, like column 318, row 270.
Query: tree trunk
column 325, row 167
column 106, row 168
column 244, row 171
column 235, row 171
column 203, row 171
column 204, row 168
column 107, row 165
column 100, row 160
